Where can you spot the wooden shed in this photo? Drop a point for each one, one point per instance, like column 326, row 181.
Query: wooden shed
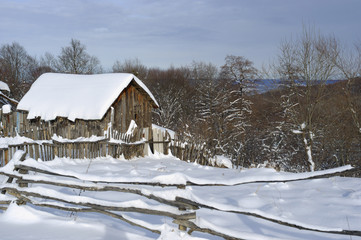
column 73, row 106
column 5, row 98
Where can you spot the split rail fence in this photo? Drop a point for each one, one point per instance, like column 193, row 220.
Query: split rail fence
column 22, row 188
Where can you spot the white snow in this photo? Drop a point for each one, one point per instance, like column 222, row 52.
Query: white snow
column 324, row 204
column 132, row 127
column 93, row 138
column 221, row 161
column 296, row 131
column 25, row 222
column 73, row 96
column 163, row 129
column 6, row 141
column 4, row 86
column 169, row 170
column 6, row 108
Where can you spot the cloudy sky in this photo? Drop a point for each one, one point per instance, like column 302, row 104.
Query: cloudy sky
column 162, row 33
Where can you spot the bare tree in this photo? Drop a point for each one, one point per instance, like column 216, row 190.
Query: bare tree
column 205, row 77
column 238, row 76
column 74, row 59
column 16, row 68
column 207, row 121
column 306, row 64
column 49, row 61
column 170, row 88
column 131, row 66
column 241, row 71
column 349, row 63
column 170, row 109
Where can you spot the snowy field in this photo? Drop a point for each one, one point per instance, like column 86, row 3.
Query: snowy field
column 241, row 203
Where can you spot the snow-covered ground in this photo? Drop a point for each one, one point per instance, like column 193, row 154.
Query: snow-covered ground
column 327, row 204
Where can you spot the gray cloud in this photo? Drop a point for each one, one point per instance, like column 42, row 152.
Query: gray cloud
column 167, row 32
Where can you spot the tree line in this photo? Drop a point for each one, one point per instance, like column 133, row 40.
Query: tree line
column 287, row 115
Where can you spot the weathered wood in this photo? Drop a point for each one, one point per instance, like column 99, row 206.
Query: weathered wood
column 2, row 160
column 56, row 150
column 189, row 183
column 36, row 152
column 278, row 221
column 41, row 151
column 101, row 207
column 123, row 114
column 193, row 227
column 23, row 179
column 9, row 175
column 69, row 148
column 21, row 171
column 77, row 209
column 33, row 169
column 132, row 104
column 30, row 150
column 51, row 152
column 6, row 202
column 181, row 203
column 6, row 152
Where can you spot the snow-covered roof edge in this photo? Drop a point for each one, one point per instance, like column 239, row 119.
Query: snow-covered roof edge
column 4, row 86
column 142, row 85
column 48, row 86
column 11, row 100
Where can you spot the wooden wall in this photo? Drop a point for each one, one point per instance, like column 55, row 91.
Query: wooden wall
column 132, row 104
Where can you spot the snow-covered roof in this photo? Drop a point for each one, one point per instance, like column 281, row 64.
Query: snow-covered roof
column 75, row 96
column 4, row 86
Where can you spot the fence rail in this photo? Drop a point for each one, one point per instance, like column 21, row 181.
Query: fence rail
column 182, row 210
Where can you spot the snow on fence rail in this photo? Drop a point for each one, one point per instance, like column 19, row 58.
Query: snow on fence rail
column 45, row 190
column 51, row 198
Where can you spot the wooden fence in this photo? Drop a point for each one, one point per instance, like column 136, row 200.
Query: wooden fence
column 185, row 150
column 182, row 210
column 190, row 152
column 47, row 150
column 112, row 144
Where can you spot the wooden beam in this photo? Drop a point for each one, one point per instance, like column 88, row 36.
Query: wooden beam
column 17, row 192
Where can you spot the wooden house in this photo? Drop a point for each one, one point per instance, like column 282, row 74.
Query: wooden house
column 7, row 106
column 73, row 106
column 5, row 98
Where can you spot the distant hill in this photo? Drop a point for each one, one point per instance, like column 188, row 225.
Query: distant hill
column 264, row 85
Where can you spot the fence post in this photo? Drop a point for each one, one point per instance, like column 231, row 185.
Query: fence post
column 36, row 146
column 10, row 179
column 6, row 152
column 81, row 154
column 69, row 150
column 56, row 150
column 181, row 227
